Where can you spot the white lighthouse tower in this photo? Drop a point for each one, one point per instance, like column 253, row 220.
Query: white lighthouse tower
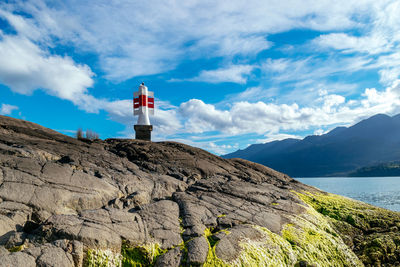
column 143, row 105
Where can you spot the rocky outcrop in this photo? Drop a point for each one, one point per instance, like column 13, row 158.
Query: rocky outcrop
column 68, row 202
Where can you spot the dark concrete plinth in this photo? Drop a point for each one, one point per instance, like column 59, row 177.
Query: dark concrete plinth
column 143, row 132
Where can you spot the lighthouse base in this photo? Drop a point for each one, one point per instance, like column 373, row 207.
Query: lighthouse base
column 143, row 132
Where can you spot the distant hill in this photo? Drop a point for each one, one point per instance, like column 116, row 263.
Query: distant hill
column 337, row 153
column 379, row 170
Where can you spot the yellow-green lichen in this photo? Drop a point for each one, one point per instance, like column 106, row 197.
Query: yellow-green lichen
column 208, row 232
column 313, row 232
column 358, row 214
column 308, row 238
column 182, row 229
column 212, row 259
column 16, row 248
column 102, row 258
column 314, row 245
column 225, row 231
column 141, row 256
column 271, row 250
column 376, row 228
column 380, row 248
column 302, row 241
column 138, row 256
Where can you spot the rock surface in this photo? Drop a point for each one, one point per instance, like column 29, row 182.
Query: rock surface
column 69, row 202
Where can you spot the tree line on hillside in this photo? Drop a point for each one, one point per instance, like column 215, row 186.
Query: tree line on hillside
column 89, row 134
column 379, row 170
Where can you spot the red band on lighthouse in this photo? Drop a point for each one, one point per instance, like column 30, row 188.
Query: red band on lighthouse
column 150, row 103
column 143, row 103
column 136, row 103
column 143, row 100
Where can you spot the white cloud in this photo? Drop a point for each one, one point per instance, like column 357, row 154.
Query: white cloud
column 372, row 44
column 389, row 66
column 382, row 35
column 379, row 41
column 277, row 137
column 203, row 117
column 24, row 26
column 24, row 67
column 299, row 71
column 135, row 38
column 244, row 44
column 138, row 38
column 330, row 102
column 319, row 132
column 219, row 149
column 389, row 75
column 7, row 109
column 252, row 94
column 121, row 67
column 242, row 117
column 300, row 80
column 305, row 70
column 233, row 73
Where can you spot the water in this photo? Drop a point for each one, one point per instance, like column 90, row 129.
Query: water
column 379, row 191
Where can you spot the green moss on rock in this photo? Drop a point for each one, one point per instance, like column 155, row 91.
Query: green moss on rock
column 138, row 256
column 141, row 256
column 102, row 258
column 371, row 231
column 315, row 245
column 380, row 249
column 358, row 214
column 16, row 248
column 212, row 259
column 305, row 241
column 271, row 250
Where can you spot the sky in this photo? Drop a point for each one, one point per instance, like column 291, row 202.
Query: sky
column 225, row 74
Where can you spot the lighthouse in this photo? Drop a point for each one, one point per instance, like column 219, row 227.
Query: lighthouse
column 143, row 105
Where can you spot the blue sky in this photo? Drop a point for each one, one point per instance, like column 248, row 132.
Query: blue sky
column 225, row 74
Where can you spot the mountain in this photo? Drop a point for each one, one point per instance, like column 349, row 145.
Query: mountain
column 69, row 202
column 342, row 150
